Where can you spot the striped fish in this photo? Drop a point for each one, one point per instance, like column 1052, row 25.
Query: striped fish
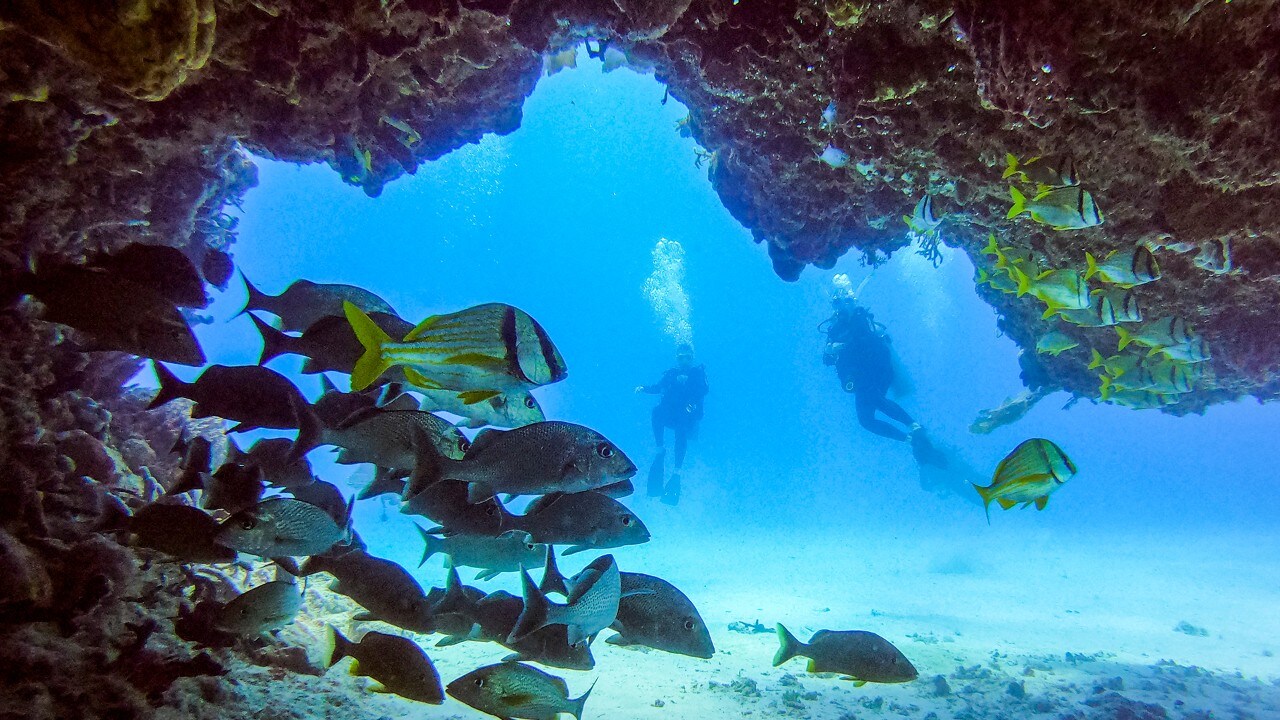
column 1126, row 269
column 1029, row 474
column 1166, row 332
column 479, row 352
column 1063, row 208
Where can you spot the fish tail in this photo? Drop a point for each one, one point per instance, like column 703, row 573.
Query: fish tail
column 382, row 483
column 171, row 388
column 534, row 614
column 431, row 544
column 992, row 248
column 1011, row 166
column 1104, row 390
column 1096, row 361
column 1019, row 203
column 1050, row 310
column 313, row 565
column 274, row 342
column 1023, row 280
column 1091, row 265
column 985, row 494
column 341, row 646
column 788, row 646
column 257, row 300
column 429, row 464
column 575, row 706
column 552, row 580
column 371, row 364
column 310, row 430
column 1125, row 337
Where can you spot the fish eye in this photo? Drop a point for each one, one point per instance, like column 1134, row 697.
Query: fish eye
column 531, row 546
column 464, row 444
column 248, row 524
column 688, row 623
column 604, row 450
column 530, row 403
column 479, row 682
column 626, row 520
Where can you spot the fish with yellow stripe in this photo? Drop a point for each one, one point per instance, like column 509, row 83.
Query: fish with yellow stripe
column 1125, row 269
column 1028, row 475
column 1058, row 289
column 479, row 352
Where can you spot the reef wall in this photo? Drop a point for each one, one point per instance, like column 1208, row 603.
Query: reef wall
column 127, row 121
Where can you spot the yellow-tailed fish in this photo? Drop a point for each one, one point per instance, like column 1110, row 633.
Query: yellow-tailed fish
column 1195, row 350
column 1165, row 332
column 1124, row 303
column 1140, row 399
column 1117, row 365
column 1056, row 342
column 1043, row 170
column 479, row 352
column 999, row 281
column 1029, row 474
column 993, row 247
column 1100, row 313
column 1058, row 289
column 923, row 221
column 1126, row 269
column 1065, row 208
column 1017, row 260
column 1166, row 377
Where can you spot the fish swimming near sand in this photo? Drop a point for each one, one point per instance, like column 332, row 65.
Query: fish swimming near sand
column 545, row 457
column 445, row 503
column 1028, row 475
column 857, row 654
column 262, row 610
column 1125, row 269
column 583, row 521
column 281, row 526
column 508, row 552
column 592, row 604
column 479, row 352
column 305, row 302
column 654, row 613
column 515, row 690
column 1064, row 208
column 386, row 591
column 396, row 663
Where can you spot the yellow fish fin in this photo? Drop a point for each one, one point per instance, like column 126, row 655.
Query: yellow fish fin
column 355, row 667
column 992, row 247
column 1049, row 311
column 371, row 364
column 421, row 328
column 471, row 397
column 812, row 666
column 478, row 360
column 1096, row 361
column 1006, row 503
column 856, row 682
column 1125, row 337
column 1019, row 203
column 1091, row 265
column 985, row 494
column 417, row 379
column 1042, row 501
column 1011, row 166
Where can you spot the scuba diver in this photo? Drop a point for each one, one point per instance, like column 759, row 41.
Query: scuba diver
column 683, row 388
column 859, row 349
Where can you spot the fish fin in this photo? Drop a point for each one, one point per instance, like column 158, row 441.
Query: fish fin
column 575, row 706
column 1125, row 337
column 1155, row 351
column 1042, row 501
column 471, row 397
column 575, row 549
column 488, row 574
column 811, row 666
column 1005, row 503
column 1042, row 190
column 1019, row 203
column 534, row 614
column 339, row 645
column 474, row 633
column 1011, row 166
column 371, row 364
column 1095, row 361
column 788, row 646
column 1091, row 265
column 274, row 342
column 171, row 388
column 620, row 640
column 365, row 616
column 431, row 544
column 421, row 328
column 616, row 490
column 478, row 360
column 417, row 379
column 310, row 430
column 552, row 579
column 1023, row 280
column 985, row 494
column 327, row 386
column 1049, row 311
column 857, row 682
column 992, row 248
column 257, row 299
column 429, row 463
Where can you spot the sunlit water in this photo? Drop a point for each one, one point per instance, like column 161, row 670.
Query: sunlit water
column 791, row 512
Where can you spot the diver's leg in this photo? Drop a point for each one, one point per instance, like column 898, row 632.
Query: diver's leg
column 895, row 412
column 656, row 421
column 866, row 407
column 656, row 468
column 671, row 496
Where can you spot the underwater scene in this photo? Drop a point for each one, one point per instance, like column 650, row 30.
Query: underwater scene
column 538, row 431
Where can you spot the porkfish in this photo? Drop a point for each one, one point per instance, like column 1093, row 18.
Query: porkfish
column 480, row 352
column 1029, row 474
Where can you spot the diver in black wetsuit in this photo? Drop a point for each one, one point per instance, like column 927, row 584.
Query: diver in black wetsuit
column 683, row 388
column 859, row 349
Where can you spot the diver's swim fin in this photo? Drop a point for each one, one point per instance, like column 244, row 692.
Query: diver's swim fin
column 672, row 494
column 656, row 473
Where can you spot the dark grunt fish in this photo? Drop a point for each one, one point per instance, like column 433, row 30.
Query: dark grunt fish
column 329, row 344
column 507, row 552
column 592, row 603
column 396, row 663
column 857, row 654
column 515, row 690
column 281, row 527
column 584, row 521
column 233, row 487
column 181, row 531
column 654, row 613
column 385, row 590
column 261, row 610
column 304, row 302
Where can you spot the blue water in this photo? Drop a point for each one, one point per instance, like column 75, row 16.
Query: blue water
column 560, row 218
